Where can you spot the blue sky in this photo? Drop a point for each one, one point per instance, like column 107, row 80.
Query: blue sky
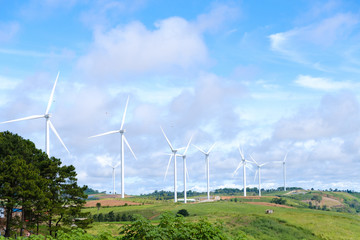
column 273, row 76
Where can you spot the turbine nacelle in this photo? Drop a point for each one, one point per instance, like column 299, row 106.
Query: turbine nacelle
column 122, row 131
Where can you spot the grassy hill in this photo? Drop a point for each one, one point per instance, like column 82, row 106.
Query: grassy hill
column 241, row 218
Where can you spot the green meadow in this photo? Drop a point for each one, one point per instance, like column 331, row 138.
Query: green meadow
column 242, row 220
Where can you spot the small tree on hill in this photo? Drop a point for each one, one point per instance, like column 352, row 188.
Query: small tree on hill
column 98, row 205
column 278, row 201
column 183, row 212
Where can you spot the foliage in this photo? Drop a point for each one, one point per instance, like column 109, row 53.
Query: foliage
column 98, row 205
column 183, row 212
column 112, row 217
column 268, row 228
column 74, row 234
column 44, row 190
column 278, row 201
column 171, row 227
column 90, row 191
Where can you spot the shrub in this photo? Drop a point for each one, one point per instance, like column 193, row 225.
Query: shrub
column 183, row 212
column 278, row 201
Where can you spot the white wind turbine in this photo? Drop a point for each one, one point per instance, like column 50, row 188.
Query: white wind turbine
column 113, row 174
column 284, row 170
column 258, row 171
column 207, row 167
column 48, row 123
column 174, row 154
column 123, row 139
column 243, row 163
column 185, row 168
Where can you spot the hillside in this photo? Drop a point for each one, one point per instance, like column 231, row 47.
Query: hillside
column 246, row 217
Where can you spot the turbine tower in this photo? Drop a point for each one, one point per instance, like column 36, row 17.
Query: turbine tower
column 48, row 123
column 123, row 139
column 243, row 163
column 207, row 167
column 185, row 168
column 258, row 171
column 174, row 154
column 284, row 170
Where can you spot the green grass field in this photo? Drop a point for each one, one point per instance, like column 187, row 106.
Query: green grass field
column 241, row 218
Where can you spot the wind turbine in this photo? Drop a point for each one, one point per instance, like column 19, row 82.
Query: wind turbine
column 48, row 123
column 258, row 170
column 243, row 162
column 123, row 139
column 185, row 168
column 284, row 169
column 207, row 166
column 174, row 151
column 113, row 174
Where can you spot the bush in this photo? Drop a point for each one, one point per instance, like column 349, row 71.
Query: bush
column 183, row 212
column 171, row 227
column 278, row 201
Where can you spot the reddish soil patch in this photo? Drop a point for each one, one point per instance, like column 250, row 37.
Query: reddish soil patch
column 109, row 202
column 268, row 204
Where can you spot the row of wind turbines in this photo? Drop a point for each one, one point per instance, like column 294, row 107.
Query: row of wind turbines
column 174, row 152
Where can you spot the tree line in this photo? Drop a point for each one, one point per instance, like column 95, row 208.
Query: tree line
column 40, row 187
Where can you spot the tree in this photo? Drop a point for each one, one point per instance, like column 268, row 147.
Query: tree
column 98, row 205
column 183, row 212
column 39, row 185
column 278, row 201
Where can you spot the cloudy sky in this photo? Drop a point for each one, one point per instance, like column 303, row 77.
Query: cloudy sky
column 272, row 76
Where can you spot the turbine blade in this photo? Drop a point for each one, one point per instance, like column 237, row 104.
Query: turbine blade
column 211, row 148
column 263, row 164
column 167, row 169
column 52, row 95
column 199, row 149
column 187, row 147
column 123, row 120
column 58, row 136
column 285, row 156
column 171, row 147
column 248, row 167
column 255, row 175
column 103, row 134
column 238, row 167
column 254, row 160
column 129, row 147
column 25, row 118
column 117, row 165
column 241, row 153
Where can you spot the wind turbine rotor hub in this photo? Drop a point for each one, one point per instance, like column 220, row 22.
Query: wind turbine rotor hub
column 47, row 116
column 122, row 131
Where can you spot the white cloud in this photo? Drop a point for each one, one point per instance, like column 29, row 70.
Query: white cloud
column 7, row 83
column 337, row 115
column 134, row 48
column 324, row 83
column 300, row 44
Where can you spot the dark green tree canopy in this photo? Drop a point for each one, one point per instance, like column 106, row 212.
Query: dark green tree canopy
column 37, row 184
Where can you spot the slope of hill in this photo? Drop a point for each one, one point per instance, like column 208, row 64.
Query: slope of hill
column 249, row 221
